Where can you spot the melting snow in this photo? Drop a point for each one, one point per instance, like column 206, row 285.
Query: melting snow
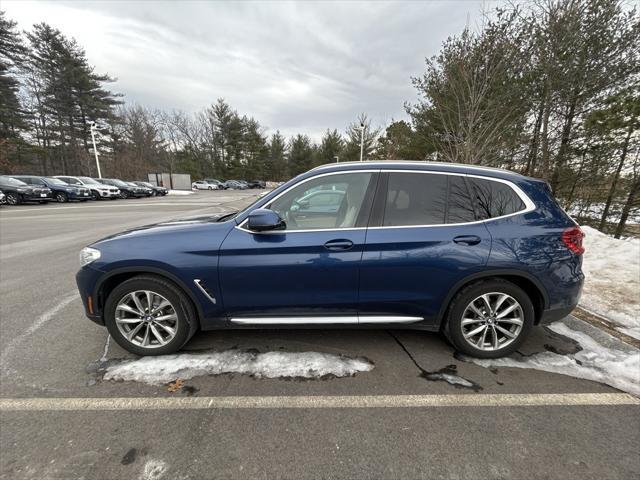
column 164, row 369
column 602, row 359
column 612, row 283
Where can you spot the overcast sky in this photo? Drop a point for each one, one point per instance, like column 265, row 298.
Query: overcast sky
column 296, row 67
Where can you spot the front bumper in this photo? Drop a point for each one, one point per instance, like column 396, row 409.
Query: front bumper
column 87, row 279
column 79, row 195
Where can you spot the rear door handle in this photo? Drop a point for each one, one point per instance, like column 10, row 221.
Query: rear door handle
column 467, row 240
column 338, row 244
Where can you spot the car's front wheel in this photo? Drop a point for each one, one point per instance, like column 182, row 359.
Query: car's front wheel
column 148, row 315
column 95, row 195
column 14, row 198
column 489, row 319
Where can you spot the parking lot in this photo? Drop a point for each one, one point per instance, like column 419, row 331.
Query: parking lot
column 402, row 419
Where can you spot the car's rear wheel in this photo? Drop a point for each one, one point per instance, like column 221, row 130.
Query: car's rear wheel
column 489, row 319
column 148, row 315
column 61, row 197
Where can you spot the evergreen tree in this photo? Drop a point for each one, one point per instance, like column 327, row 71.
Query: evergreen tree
column 330, row 147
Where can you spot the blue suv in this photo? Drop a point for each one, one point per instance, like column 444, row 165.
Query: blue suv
column 480, row 254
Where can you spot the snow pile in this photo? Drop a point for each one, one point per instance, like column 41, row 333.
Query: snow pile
column 606, row 361
column 612, row 283
column 595, row 210
column 180, row 192
column 164, row 369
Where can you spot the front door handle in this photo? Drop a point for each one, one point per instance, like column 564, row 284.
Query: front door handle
column 340, row 244
column 467, row 240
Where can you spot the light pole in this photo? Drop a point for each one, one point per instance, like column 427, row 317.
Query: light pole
column 95, row 150
column 337, row 158
column 362, row 127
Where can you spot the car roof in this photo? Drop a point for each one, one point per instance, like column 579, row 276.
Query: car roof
column 422, row 166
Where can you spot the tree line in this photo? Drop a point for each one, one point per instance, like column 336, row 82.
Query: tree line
column 550, row 89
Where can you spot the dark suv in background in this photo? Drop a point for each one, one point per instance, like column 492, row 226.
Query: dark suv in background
column 17, row 191
column 481, row 254
column 62, row 191
column 126, row 190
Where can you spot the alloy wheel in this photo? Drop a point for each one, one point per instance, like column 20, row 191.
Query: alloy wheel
column 492, row 321
column 146, row 319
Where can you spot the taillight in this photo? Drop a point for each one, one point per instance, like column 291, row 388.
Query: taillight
column 572, row 238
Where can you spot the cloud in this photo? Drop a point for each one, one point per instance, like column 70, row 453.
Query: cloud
column 296, row 67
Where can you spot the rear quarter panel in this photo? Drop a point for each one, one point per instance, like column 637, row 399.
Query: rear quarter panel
column 532, row 242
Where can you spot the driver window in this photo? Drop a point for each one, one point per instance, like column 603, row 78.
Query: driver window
column 331, row 201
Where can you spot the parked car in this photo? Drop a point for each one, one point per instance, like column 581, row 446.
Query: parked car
column 145, row 191
column 202, row 185
column 18, row 192
column 216, row 183
column 3, row 198
column 62, row 191
column 155, row 189
column 235, row 185
column 126, row 190
column 98, row 189
column 482, row 255
column 256, row 184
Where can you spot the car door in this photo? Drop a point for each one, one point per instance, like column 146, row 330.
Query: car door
column 307, row 273
column 423, row 238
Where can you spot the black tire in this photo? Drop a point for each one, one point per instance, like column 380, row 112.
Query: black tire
column 61, row 197
column 124, row 194
column 95, row 195
column 14, row 198
column 453, row 329
column 187, row 323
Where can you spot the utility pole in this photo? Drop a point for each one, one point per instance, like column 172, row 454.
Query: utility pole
column 95, row 150
column 362, row 127
column 337, row 158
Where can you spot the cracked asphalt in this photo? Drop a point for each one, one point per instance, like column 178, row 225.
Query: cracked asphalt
column 49, row 350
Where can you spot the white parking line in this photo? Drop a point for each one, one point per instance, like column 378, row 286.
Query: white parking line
column 372, row 401
column 40, row 321
column 55, row 209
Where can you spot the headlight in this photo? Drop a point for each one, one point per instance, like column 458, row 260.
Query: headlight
column 88, row 255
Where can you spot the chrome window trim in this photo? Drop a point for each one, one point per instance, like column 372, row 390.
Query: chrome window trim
column 529, row 205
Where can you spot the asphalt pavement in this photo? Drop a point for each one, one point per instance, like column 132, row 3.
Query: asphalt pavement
column 60, row 419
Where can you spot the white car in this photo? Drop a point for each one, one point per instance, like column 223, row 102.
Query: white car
column 202, row 185
column 3, row 198
column 98, row 190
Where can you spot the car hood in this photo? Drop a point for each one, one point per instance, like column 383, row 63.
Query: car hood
column 187, row 224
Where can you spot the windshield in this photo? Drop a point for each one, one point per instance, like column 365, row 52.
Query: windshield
column 56, row 181
column 11, row 181
column 89, row 181
column 118, row 183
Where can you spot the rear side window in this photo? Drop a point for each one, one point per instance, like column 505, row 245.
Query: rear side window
column 494, row 199
column 415, row 199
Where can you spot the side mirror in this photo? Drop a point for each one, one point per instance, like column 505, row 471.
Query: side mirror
column 263, row 220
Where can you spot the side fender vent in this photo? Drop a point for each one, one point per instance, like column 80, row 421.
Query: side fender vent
column 204, row 289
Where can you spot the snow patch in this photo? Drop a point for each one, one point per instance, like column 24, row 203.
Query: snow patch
column 608, row 361
column 180, row 192
column 164, row 369
column 153, row 470
column 612, row 279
